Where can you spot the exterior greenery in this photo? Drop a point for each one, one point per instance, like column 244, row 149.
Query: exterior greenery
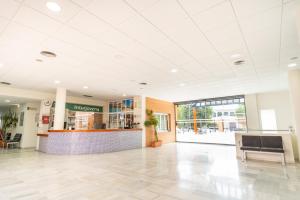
column 151, row 122
column 8, row 121
column 240, row 111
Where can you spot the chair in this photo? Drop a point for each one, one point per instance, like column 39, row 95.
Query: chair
column 2, row 142
column 16, row 140
column 7, row 137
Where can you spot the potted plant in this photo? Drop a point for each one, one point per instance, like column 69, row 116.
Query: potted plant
column 152, row 122
column 8, row 121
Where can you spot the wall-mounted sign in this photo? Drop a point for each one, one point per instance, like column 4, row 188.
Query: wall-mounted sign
column 83, row 108
column 45, row 119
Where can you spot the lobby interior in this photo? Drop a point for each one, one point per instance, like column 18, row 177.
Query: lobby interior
column 149, row 99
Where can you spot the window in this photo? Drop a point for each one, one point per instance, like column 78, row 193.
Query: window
column 232, row 114
column 225, row 113
column 268, row 119
column 219, row 114
column 163, row 122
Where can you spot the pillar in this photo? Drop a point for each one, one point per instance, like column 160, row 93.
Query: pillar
column 294, row 88
column 60, row 103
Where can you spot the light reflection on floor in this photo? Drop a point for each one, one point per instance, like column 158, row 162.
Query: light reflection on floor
column 174, row 171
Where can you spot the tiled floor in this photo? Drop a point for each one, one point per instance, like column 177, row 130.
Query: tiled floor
column 174, row 171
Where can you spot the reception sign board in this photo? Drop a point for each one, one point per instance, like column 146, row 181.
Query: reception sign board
column 82, row 107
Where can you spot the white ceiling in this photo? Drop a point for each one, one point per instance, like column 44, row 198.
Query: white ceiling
column 112, row 45
column 14, row 101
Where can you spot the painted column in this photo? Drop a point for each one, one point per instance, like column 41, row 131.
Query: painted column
column 294, row 88
column 60, row 103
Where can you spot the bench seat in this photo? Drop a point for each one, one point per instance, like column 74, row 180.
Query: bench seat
column 275, row 150
column 250, row 148
column 263, row 144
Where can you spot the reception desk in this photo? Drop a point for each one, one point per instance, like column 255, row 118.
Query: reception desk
column 89, row 141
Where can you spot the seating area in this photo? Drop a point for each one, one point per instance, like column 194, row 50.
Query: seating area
column 262, row 144
column 6, row 141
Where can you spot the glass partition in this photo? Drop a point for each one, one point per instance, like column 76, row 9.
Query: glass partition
column 210, row 120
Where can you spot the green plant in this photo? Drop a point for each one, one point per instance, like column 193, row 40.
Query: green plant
column 151, row 122
column 9, row 121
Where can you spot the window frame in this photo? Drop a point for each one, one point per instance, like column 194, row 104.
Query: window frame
column 160, row 125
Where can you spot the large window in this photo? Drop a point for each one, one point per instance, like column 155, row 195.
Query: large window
column 163, row 122
column 210, row 120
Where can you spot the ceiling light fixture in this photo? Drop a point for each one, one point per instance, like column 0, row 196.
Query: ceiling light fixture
column 48, row 54
column 57, row 82
column 7, row 100
column 1, row 65
column 124, row 95
column 85, row 87
column 143, row 83
column 292, row 65
column 182, row 84
column 294, row 58
column 174, row 70
column 5, row 83
column 88, row 96
column 38, row 60
column 53, row 6
column 239, row 62
column 237, row 55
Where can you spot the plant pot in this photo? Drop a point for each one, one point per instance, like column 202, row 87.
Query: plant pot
column 156, row 144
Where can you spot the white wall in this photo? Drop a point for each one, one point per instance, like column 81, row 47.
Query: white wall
column 278, row 101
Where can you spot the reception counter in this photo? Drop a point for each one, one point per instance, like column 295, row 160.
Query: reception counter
column 89, row 141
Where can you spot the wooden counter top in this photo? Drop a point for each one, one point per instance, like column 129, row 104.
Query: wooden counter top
column 42, row 134
column 95, row 130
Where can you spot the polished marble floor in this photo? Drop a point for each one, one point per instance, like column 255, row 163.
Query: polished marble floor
column 174, row 171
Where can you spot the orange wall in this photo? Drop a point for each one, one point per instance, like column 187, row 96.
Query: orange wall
column 160, row 106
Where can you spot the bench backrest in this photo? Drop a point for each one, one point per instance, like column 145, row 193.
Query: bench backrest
column 17, row 137
column 271, row 141
column 251, row 141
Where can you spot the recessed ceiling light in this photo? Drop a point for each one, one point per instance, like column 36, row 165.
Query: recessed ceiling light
column 239, row 62
column 294, row 58
column 53, row 6
column 48, row 54
column 88, row 96
column 143, row 83
column 57, row 82
column 85, row 87
column 5, row 83
column 237, row 55
column 7, row 100
column 174, row 70
column 182, row 84
column 124, row 95
column 292, row 65
column 1, row 65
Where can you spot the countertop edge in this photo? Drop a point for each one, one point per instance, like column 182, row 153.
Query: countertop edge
column 95, row 130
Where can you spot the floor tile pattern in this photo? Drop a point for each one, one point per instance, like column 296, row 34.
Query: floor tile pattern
column 174, row 171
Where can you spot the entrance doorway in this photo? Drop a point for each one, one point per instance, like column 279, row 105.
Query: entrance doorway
column 210, row 120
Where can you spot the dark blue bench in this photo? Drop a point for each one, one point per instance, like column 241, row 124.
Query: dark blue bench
column 263, row 144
